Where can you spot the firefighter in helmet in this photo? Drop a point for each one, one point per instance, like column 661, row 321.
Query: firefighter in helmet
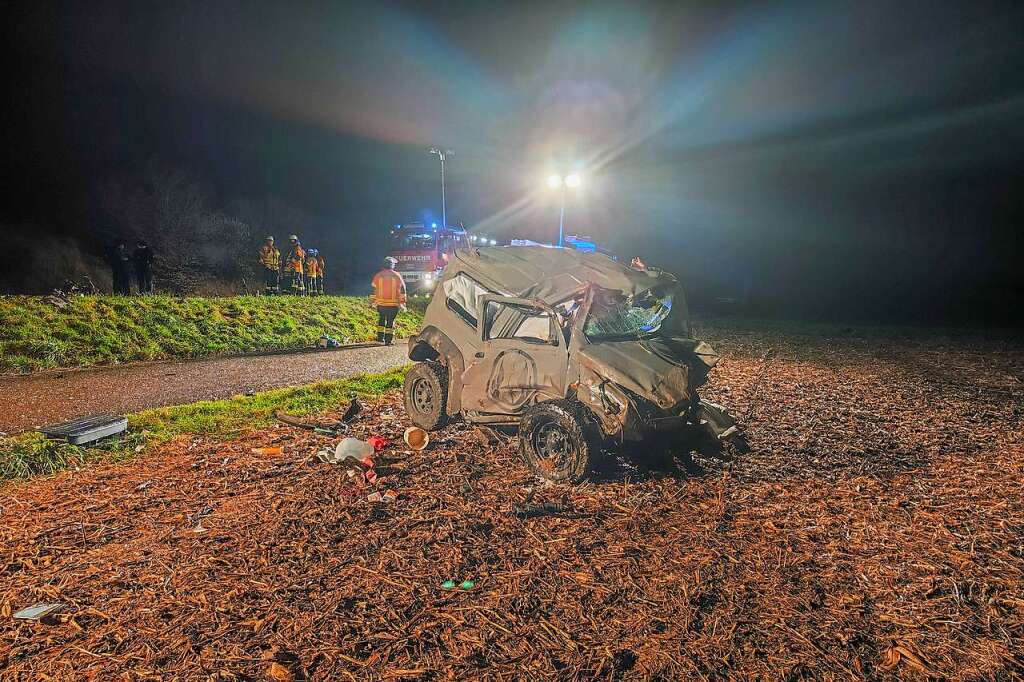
column 389, row 297
column 312, row 267
column 321, row 265
column 270, row 261
column 293, row 268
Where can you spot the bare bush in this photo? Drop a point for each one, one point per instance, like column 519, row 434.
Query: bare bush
column 194, row 244
column 198, row 247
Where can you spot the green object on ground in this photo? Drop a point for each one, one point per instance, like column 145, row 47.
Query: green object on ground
column 107, row 330
column 448, row 585
column 467, row 585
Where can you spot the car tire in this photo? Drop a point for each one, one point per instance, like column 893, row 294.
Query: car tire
column 426, row 395
column 556, row 441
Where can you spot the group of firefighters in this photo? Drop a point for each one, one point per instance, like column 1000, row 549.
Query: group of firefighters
column 300, row 272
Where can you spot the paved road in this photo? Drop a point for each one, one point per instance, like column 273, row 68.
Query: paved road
column 32, row 401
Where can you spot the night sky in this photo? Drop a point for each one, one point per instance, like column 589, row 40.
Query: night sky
column 848, row 161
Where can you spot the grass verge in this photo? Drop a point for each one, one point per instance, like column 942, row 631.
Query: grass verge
column 31, row 454
column 104, row 330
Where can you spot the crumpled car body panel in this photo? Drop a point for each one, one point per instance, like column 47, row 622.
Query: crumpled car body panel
column 632, row 387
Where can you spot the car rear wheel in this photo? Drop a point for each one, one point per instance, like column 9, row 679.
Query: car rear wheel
column 556, row 441
column 426, row 395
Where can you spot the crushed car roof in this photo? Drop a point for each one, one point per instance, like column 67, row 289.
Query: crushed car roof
column 550, row 274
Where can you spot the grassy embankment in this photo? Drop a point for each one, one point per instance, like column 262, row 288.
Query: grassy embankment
column 30, row 454
column 104, row 330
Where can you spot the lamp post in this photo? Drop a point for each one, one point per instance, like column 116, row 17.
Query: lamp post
column 560, row 183
column 442, row 154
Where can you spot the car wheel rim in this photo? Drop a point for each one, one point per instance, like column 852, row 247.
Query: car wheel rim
column 553, row 447
column 423, row 396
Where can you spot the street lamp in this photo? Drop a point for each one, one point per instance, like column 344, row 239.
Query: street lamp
column 442, row 154
column 559, row 182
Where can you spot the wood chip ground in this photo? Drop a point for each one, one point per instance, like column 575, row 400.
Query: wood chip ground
column 875, row 530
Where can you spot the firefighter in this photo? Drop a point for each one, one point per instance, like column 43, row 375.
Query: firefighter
column 293, row 268
column 312, row 266
column 270, row 261
column 389, row 297
column 321, row 265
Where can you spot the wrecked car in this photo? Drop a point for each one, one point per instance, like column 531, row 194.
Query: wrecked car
column 576, row 350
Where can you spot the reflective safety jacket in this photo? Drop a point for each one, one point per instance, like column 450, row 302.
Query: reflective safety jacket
column 296, row 257
column 321, row 264
column 388, row 288
column 270, row 257
column 312, row 267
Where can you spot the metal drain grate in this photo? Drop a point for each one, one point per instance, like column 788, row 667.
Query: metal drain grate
column 87, row 429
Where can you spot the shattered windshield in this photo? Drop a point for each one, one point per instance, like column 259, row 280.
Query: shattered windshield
column 615, row 316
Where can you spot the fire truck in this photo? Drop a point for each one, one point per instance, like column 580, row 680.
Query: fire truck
column 422, row 252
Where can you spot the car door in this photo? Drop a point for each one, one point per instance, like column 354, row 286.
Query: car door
column 522, row 357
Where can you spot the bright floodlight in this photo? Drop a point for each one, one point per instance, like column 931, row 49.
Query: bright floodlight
column 573, row 180
column 554, row 181
column 494, row 243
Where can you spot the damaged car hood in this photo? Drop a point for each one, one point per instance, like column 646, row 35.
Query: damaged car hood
column 664, row 370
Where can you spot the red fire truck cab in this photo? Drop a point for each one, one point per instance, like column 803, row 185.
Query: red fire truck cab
column 422, row 251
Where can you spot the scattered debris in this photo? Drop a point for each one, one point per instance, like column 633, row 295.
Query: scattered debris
column 416, row 438
column 351, row 451
column 87, row 429
column 329, row 342
column 276, row 450
column 38, row 612
column 489, row 436
column 353, row 410
column 378, row 443
column 353, row 448
column 543, row 509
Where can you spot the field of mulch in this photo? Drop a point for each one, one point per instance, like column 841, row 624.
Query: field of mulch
column 875, row 530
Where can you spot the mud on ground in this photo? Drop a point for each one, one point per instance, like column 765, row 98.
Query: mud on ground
column 876, row 529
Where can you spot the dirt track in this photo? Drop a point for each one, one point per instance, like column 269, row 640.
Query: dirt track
column 32, row 401
column 875, row 530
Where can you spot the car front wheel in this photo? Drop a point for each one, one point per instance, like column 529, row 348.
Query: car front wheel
column 426, row 395
column 556, row 441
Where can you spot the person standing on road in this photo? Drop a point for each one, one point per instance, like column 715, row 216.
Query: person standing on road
column 120, row 265
column 142, row 259
column 293, row 268
column 312, row 266
column 270, row 261
column 389, row 297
